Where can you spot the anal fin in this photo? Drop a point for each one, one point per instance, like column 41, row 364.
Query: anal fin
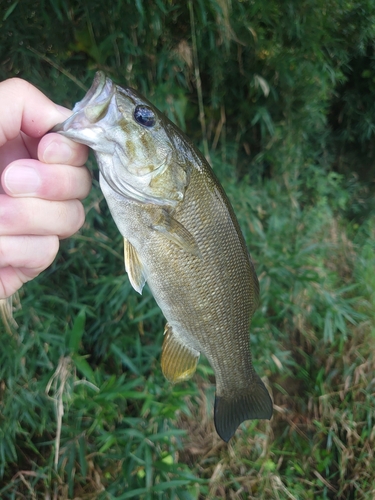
column 134, row 267
column 178, row 360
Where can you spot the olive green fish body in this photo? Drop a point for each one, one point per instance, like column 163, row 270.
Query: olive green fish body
column 182, row 237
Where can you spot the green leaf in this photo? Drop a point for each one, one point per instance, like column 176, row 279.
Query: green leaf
column 83, row 366
column 170, row 484
column 125, row 359
column 10, row 10
column 74, row 336
column 82, row 455
column 134, row 493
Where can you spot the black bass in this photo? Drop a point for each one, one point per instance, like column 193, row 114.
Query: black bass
column 182, row 237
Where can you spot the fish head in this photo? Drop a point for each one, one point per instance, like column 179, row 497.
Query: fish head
column 131, row 140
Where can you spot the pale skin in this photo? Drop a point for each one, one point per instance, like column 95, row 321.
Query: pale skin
column 42, row 182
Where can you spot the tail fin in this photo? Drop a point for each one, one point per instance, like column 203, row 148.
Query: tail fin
column 231, row 410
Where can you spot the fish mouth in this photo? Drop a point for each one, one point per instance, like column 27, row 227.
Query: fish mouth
column 92, row 108
column 95, row 91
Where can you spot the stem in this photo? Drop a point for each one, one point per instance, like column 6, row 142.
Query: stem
column 202, row 118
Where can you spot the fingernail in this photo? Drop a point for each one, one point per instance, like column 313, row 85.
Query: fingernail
column 57, row 153
column 19, row 179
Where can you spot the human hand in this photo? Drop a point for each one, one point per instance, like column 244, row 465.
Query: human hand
column 42, row 181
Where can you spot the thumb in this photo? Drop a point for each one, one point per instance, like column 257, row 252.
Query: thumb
column 27, row 110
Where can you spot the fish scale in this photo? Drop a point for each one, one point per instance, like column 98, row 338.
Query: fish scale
column 182, row 237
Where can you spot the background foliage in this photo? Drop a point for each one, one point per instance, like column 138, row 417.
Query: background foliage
column 280, row 96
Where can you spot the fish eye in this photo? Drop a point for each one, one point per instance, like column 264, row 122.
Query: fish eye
column 144, row 116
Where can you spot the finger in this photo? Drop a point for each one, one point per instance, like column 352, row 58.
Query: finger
column 12, row 150
column 33, row 216
column 54, row 148
column 28, row 110
column 31, row 178
column 22, row 258
column 30, row 252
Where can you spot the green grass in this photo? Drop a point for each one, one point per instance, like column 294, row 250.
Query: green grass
column 86, row 413
column 84, row 409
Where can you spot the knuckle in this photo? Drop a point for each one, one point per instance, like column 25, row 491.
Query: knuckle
column 50, row 251
column 80, row 153
column 78, row 183
column 11, row 215
column 73, row 216
column 87, row 182
column 15, row 84
column 3, row 253
column 80, row 214
column 65, row 183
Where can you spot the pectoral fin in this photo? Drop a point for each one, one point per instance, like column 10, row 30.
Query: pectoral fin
column 177, row 233
column 134, row 267
column 178, row 361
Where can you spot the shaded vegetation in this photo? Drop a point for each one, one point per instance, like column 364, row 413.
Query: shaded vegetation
column 281, row 96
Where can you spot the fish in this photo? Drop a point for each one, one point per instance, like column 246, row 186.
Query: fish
column 181, row 236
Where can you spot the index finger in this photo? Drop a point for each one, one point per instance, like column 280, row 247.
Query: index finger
column 28, row 110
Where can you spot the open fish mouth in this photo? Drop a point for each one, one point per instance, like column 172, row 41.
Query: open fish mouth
column 91, row 108
column 100, row 85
